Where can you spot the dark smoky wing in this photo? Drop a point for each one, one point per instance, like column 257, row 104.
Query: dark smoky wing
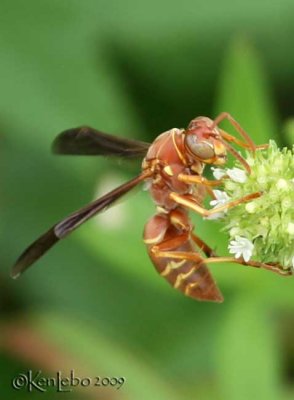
column 69, row 224
column 73, row 221
column 34, row 252
column 88, row 141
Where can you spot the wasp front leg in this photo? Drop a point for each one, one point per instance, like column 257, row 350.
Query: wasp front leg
column 225, row 115
column 175, row 257
column 196, row 179
column 189, row 202
column 233, row 139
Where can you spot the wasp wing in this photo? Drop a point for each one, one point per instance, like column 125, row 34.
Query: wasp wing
column 69, row 224
column 88, row 141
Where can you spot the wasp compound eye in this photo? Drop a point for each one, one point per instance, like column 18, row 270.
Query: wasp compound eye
column 202, row 150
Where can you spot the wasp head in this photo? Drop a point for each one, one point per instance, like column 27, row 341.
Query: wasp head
column 203, row 142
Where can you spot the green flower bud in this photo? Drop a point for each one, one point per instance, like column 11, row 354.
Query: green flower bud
column 268, row 221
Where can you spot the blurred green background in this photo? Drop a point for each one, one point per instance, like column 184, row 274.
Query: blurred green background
column 95, row 303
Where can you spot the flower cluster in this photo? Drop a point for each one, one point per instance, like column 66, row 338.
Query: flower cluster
column 262, row 229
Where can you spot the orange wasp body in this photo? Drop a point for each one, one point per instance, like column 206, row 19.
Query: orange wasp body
column 172, row 167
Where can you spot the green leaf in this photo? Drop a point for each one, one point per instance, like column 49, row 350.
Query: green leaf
column 102, row 357
column 244, row 92
column 248, row 361
column 289, row 131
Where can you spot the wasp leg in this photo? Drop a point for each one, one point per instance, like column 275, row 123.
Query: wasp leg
column 237, row 126
column 198, row 179
column 192, row 179
column 180, row 255
column 274, row 267
column 177, row 241
column 233, row 139
column 187, row 201
column 168, row 244
column 159, row 251
column 208, row 251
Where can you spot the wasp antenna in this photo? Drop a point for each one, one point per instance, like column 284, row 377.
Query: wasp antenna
column 236, row 125
column 236, row 155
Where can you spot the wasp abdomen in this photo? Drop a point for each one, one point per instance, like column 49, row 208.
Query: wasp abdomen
column 176, row 258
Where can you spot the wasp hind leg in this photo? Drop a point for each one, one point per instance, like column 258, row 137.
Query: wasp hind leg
column 208, row 251
column 273, row 267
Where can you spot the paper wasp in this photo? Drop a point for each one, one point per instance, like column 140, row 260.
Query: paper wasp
column 173, row 166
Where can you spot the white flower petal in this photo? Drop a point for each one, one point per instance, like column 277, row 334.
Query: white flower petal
column 221, row 198
column 282, row 184
column 290, row 228
column 246, row 255
column 237, row 175
column 241, row 247
column 218, row 173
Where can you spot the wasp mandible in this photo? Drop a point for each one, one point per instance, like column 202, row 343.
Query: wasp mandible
column 173, row 166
